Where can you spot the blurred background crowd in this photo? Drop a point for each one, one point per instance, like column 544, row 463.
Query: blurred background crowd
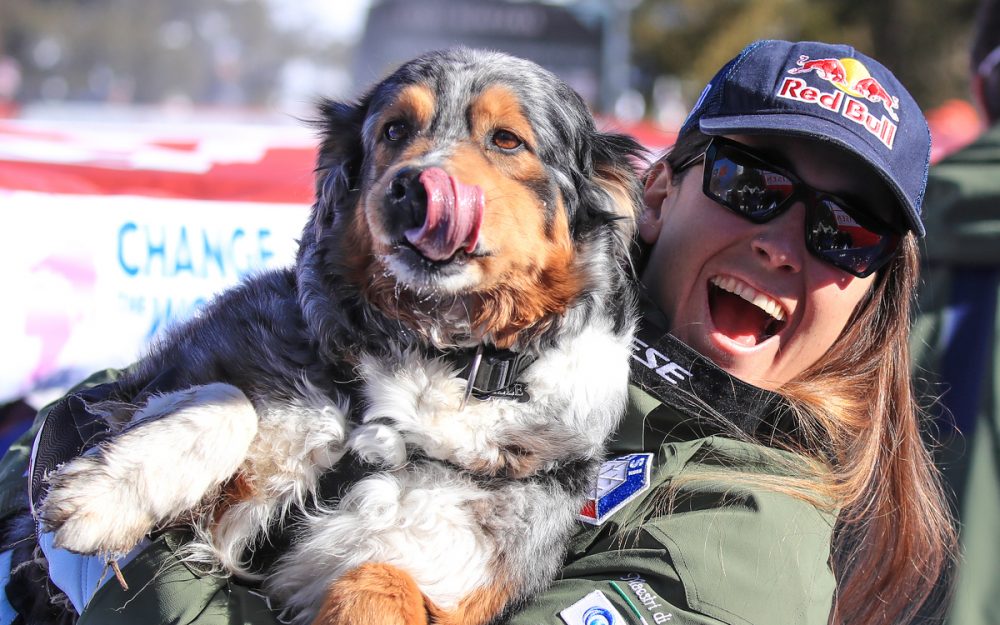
column 633, row 59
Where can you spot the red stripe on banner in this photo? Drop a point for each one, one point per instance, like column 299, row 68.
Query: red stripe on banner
column 282, row 175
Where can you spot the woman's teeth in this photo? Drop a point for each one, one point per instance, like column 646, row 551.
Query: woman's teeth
column 748, row 293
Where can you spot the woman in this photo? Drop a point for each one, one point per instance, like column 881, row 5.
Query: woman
column 781, row 238
column 770, row 469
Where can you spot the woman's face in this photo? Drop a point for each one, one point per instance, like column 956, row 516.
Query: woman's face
column 751, row 296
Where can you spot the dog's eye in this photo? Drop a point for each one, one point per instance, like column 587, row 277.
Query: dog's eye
column 396, row 131
column 506, row 140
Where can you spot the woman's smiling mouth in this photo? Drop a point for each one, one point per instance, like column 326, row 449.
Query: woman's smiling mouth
column 743, row 314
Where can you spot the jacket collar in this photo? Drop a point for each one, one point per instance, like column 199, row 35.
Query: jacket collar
column 678, row 394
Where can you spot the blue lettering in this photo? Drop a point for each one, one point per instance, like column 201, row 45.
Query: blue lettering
column 125, row 229
column 241, row 269
column 155, row 250
column 265, row 252
column 176, row 250
column 182, row 260
column 168, row 311
column 161, row 317
column 213, row 252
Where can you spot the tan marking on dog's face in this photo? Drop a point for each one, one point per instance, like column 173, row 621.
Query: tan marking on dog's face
column 529, row 270
column 523, row 269
column 500, row 108
column 414, row 103
column 361, row 264
column 414, row 107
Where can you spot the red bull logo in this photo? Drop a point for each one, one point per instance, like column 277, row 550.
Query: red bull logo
column 856, row 87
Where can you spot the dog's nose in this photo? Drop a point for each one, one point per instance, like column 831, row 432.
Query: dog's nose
column 408, row 195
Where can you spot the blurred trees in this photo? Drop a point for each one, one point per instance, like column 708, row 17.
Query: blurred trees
column 143, row 51
column 926, row 44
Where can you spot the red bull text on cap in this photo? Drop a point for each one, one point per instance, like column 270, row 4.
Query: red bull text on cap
column 856, row 82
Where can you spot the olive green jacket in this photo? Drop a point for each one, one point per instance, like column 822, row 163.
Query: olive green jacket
column 722, row 552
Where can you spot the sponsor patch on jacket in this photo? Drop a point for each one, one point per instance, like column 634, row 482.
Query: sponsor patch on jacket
column 594, row 609
column 620, row 481
column 641, row 594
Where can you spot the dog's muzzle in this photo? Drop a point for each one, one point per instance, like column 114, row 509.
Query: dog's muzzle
column 439, row 214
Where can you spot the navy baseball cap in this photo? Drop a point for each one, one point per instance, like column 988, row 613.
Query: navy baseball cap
column 827, row 92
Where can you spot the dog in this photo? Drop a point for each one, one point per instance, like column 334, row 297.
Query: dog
column 458, row 322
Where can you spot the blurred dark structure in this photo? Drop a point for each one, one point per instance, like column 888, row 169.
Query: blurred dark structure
column 566, row 41
column 126, row 52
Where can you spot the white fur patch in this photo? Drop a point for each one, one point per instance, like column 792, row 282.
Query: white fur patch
column 422, row 521
column 454, row 283
column 295, row 444
column 378, row 444
column 185, row 444
column 577, row 394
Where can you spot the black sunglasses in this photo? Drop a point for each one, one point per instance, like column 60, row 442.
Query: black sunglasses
column 843, row 236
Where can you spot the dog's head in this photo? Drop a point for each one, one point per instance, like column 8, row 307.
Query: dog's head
column 468, row 197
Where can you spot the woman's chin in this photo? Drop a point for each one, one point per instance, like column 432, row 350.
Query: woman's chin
column 743, row 357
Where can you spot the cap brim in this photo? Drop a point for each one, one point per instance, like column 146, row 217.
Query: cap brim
column 799, row 125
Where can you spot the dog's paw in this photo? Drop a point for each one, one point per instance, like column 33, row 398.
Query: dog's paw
column 522, row 451
column 183, row 446
column 90, row 509
column 378, row 444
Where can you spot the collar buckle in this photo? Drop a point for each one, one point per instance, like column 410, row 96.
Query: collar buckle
column 494, row 373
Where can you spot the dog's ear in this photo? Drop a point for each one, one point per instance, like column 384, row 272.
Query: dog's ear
column 616, row 159
column 341, row 153
column 614, row 192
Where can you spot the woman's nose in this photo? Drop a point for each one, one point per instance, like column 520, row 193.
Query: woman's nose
column 780, row 243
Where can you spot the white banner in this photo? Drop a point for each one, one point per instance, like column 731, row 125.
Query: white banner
column 88, row 280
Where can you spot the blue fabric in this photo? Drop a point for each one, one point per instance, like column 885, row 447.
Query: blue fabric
column 968, row 328
column 80, row 576
column 7, row 614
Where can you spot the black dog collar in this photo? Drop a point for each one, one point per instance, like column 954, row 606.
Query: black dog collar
column 493, row 372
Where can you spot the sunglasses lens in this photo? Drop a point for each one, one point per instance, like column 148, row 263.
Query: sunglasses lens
column 747, row 189
column 746, row 185
column 839, row 239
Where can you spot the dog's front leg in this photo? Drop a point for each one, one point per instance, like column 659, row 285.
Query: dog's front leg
column 181, row 446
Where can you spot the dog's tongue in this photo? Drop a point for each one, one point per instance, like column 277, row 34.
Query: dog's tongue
column 454, row 215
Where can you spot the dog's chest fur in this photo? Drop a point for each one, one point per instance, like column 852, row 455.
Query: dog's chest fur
column 448, row 481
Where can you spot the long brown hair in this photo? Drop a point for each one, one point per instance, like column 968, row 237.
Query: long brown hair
column 857, row 419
